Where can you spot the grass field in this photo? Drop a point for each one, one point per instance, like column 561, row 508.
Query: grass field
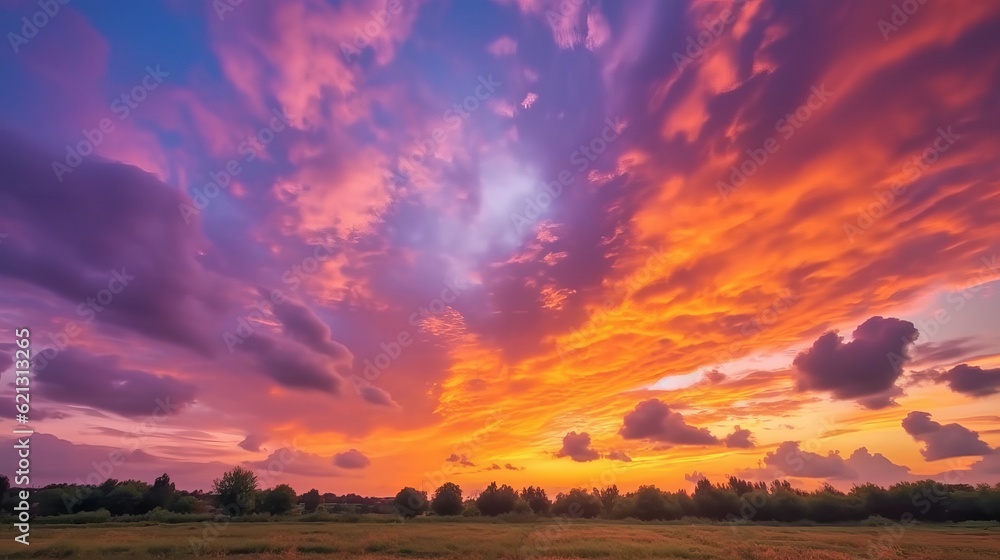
column 549, row 540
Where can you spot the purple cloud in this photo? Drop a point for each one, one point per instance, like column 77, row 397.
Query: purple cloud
column 864, row 369
column 460, row 459
column 77, row 377
column 618, row 456
column 740, row 438
column 376, row 396
column 973, row 380
column 653, row 420
column 301, row 324
column 351, row 459
column 577, row 447
column 253, row 442
column 942, row 441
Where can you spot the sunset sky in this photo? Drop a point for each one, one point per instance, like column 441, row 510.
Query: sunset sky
column 363, row 245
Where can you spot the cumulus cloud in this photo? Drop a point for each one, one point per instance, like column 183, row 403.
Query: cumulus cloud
column 653, row 420
column 577, row 447
column 351, row 459
column 77, row 377
column 942, row 441
column 973, row 380
column 864, row 369
column 789, row 460
column 740, row 438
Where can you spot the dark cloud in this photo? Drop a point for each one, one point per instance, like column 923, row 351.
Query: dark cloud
column 78, row 377
column 374, row 395
column 942, row 441
column 511, row 467
column 351, row 459
column 57, row 460
column 301, row 324
column 973, row 380
column 494, row 467
column 653, row 420
column 618, row 456
column 740, row 438
column 253, row 442
column 290, row 364
column 695, row 477
column 111, row 242
column 460, row 459
column 292, row 461
column 948, row 351
column 114, row 226
column 864, row 369
column 577, row 447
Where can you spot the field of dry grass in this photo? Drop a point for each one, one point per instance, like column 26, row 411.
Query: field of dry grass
column 468, row 541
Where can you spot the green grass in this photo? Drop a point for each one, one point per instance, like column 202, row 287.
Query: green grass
column 489, row 540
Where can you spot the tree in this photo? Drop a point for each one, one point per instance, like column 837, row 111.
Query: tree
column 161, row 494
column 536, row 499
column 278, row 500
column 577, row 503
column 410, row 502
column 4, row 485
column 496, row 500
column 311, row 500
column 237, row 490
column 447, row 499
column 608, row 497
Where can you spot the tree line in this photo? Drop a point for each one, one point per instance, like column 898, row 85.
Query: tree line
column 237, row 492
